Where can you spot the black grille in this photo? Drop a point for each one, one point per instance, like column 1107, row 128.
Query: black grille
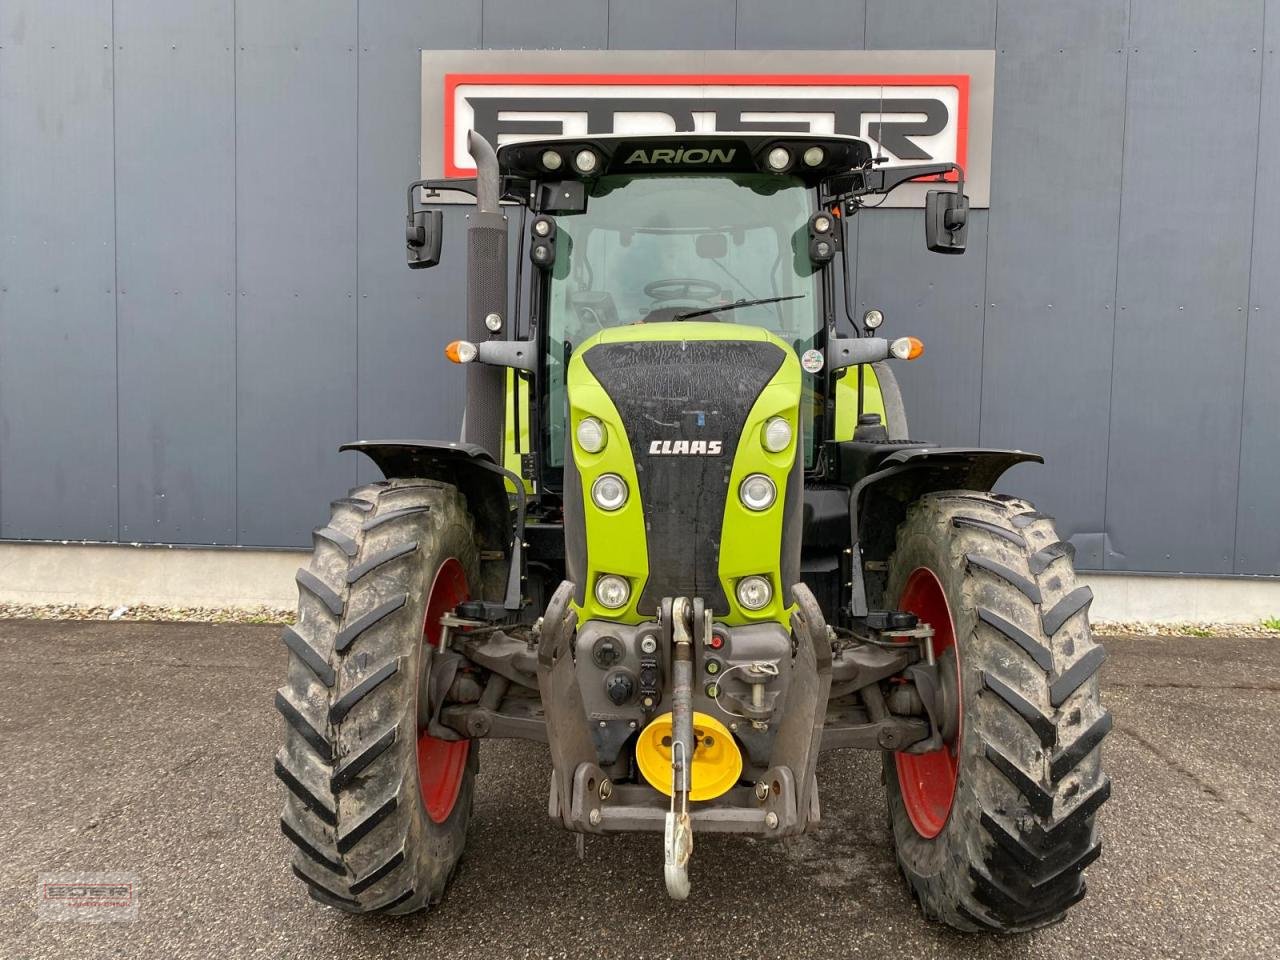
column 699, row 390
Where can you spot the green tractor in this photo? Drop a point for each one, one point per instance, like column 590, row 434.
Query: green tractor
column 686, row 542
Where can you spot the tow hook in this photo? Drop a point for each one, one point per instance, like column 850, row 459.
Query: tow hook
column 678, row 835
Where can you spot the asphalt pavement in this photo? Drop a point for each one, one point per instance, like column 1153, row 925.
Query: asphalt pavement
column 145, row 749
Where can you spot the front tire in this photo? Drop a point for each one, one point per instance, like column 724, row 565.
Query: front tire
column 376, row 810
column 1002, row 844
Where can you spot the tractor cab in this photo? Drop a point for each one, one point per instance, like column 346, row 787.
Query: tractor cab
column 732, row 228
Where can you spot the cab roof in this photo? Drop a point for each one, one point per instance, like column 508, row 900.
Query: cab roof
column 811, row 157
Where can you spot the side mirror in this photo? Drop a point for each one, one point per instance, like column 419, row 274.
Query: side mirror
column 946, row 221
column 424, row 233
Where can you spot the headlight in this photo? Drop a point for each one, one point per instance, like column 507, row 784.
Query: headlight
column 777, row 434
column 614, row 592
column 754, row 593
column 591, row 435
column 757, row 492
column 609, row 492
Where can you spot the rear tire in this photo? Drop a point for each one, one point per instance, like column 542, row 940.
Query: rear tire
column 367, row 835
column 1028, row 782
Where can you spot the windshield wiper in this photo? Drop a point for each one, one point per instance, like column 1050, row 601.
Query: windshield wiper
column 734, row 306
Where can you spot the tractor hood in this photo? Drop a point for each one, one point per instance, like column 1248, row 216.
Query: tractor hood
column 684, row 407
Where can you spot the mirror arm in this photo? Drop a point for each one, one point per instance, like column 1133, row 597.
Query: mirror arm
column 512, row 189
column 517, row 354
column 845, row 352
column 433, row 186
column 880, row 180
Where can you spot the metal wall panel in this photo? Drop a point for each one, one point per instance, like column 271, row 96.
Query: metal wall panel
column 558, row 25
column 406, row 388
column 296, row 263
column 1177, row 26
column 805, row 25
column 938, row 299
column 1052, row 257
column 175, row 93
column 57, row 272
column 1183, row 289
column 295, row 124
column 1096, row 25
column 929, row 25
column 671, row 25
column 1258, row 515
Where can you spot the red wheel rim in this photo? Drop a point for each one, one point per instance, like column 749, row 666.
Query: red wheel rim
column 441, row 763
column 928, row 780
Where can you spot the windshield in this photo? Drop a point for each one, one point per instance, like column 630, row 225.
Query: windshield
column 656, row 248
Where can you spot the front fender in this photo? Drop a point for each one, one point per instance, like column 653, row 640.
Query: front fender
column 467, row 466
column 884, row 485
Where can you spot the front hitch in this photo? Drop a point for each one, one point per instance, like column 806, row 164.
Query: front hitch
column 678, row 835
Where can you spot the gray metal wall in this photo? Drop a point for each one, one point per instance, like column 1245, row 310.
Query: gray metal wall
column 202, row 289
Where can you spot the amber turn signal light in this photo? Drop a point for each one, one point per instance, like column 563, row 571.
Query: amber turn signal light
column 906, row 348
column 460, row 351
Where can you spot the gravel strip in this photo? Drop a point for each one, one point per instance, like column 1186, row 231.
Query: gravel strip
column 1106, row 628
column 144, row 612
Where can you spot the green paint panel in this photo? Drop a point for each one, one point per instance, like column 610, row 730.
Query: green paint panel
column 847, row 400
column 750, row 541
column 615, row 540
column 513, row 445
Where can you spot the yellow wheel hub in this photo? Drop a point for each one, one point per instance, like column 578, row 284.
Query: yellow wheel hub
column 717, row 762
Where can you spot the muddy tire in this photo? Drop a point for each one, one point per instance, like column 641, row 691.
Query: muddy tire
column 1007, row 850
column 369, row 833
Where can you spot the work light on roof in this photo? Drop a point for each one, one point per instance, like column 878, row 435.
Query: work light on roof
column 779, row 159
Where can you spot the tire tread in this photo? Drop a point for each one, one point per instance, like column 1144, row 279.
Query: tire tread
column 1036, row 782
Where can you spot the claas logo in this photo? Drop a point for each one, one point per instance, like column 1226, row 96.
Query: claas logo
column 707, row 448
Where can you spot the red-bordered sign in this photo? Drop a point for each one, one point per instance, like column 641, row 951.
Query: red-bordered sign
column 897, row 95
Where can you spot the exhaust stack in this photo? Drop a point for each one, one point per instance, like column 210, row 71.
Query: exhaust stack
column 486, row 295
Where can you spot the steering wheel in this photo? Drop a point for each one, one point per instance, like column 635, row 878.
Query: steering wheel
column 682, row 288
